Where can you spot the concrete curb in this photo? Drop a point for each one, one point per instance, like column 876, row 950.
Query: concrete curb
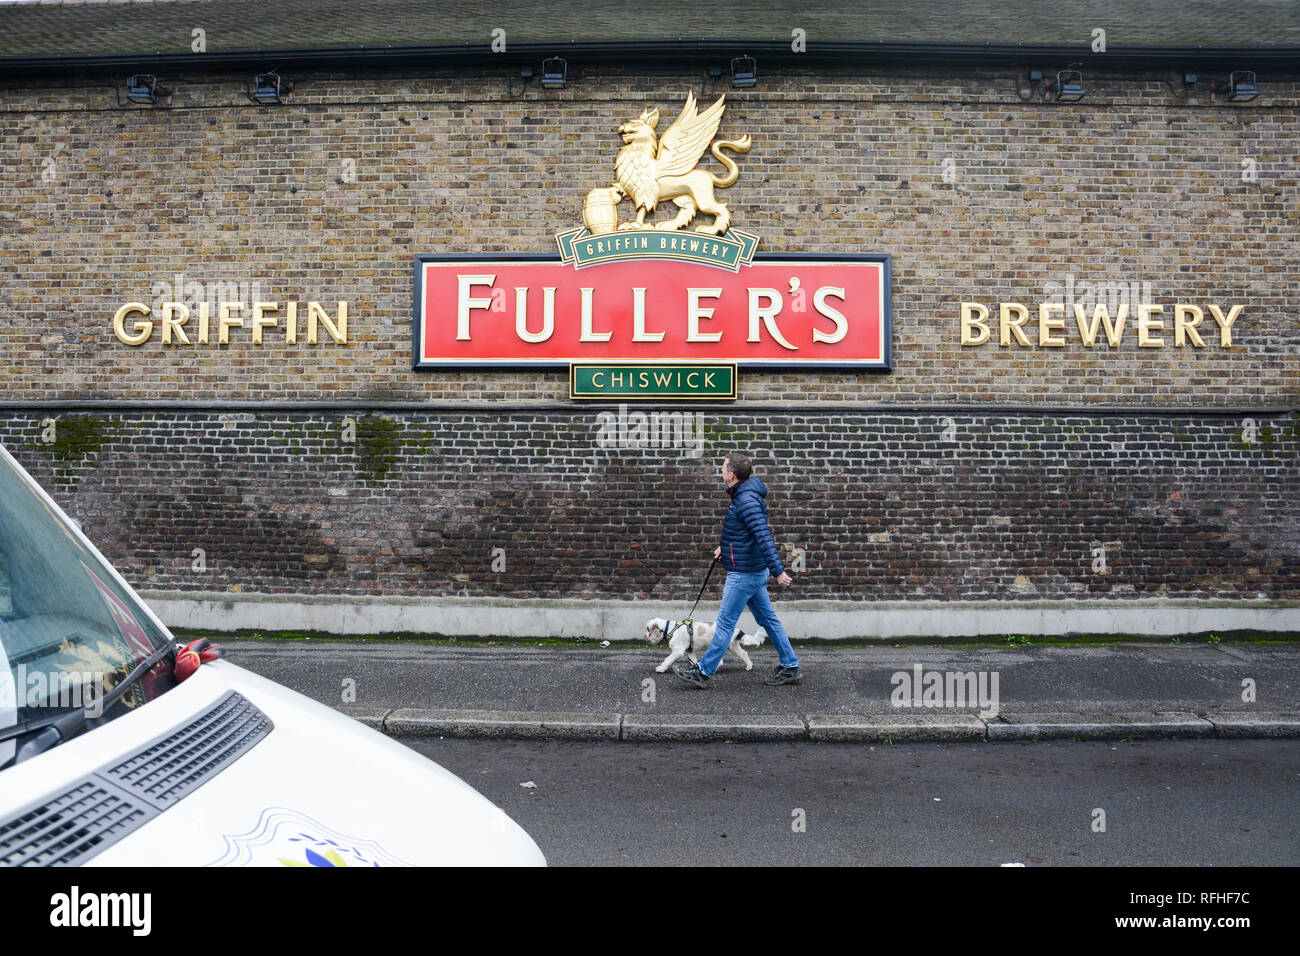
column 755, row 727
column 936, row 728
column 415, row 722
column 1090, row 727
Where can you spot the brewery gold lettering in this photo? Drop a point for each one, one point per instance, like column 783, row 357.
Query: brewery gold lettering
column 1047, row 324
column 974, row 316
column 1146, row 324
column 1100, row 314
column 1010, row 325
column 1225, row 325
column 1186, row 319
column 1052, row 325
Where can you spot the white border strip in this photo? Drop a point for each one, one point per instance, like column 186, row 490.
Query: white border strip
column 625, row 620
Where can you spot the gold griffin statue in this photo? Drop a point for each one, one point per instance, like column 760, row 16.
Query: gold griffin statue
column 650, row 171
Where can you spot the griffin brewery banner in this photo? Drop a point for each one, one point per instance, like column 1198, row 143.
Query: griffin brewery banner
column 683, row 289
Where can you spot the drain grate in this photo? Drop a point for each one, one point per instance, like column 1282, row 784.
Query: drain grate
column 102, row 808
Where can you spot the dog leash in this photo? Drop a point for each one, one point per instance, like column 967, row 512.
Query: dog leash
column 702, row 587
column 690, row 618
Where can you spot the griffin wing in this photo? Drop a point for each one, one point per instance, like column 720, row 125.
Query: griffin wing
column 683, row 144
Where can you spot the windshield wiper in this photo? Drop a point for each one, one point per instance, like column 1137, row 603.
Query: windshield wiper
column 61, row 727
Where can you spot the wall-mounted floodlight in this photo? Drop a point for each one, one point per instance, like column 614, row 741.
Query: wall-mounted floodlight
column 269, row 88
column 555, row 73
column 1068, row 86
column 744, row 71
column 1241, row 87
column 144, row 88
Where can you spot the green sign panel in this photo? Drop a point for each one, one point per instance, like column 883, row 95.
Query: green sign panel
column 730, row 252
column 652, row 382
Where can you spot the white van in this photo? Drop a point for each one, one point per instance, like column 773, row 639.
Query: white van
column 107, row 760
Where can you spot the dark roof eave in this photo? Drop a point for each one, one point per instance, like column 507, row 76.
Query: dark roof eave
column 830, row 53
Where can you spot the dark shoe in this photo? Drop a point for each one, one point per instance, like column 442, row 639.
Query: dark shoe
column 784, row 675
column 690, row 673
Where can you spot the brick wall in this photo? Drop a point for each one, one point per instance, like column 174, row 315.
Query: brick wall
column 885, row 506
column 99, row 205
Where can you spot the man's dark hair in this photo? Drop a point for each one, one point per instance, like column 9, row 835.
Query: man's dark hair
column 740, row 465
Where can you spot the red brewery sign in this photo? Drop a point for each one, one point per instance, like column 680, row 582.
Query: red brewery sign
column 783, row 311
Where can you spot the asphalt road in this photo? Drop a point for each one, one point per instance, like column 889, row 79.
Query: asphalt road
column 1166, row 803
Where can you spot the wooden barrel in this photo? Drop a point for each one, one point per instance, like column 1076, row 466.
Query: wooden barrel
column 600, row 210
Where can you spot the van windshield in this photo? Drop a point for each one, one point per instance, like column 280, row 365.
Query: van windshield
column 69, row 631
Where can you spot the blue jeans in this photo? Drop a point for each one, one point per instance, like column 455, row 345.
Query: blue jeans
column 746, row 589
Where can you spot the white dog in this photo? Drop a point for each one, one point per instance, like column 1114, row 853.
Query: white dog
column 696, row 638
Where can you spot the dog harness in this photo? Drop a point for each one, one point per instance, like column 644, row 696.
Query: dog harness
column 674, row 627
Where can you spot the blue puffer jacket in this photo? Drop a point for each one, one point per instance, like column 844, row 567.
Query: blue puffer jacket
column 747, row 543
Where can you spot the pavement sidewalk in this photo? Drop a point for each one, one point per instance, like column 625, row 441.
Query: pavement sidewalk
column 1111, row 692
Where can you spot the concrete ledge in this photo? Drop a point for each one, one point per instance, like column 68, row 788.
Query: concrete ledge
column 682, row 728
column 372, row 717
column 928, row 727
column 625, row 620
column 1260, row 724
column 417, row 722
column 1098, row 726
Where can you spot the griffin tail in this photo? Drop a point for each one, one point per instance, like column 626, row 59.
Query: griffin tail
column 733, row 173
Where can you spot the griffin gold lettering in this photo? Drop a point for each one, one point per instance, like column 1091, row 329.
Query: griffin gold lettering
column 290, row 324
column 169, row 322
column 339, row 333
column 225, row 320
column 260, row 323
column 142, row 329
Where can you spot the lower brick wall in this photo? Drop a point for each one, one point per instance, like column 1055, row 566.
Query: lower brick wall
column 934, row 505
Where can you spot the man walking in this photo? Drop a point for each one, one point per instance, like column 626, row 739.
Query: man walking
column 750, row 557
